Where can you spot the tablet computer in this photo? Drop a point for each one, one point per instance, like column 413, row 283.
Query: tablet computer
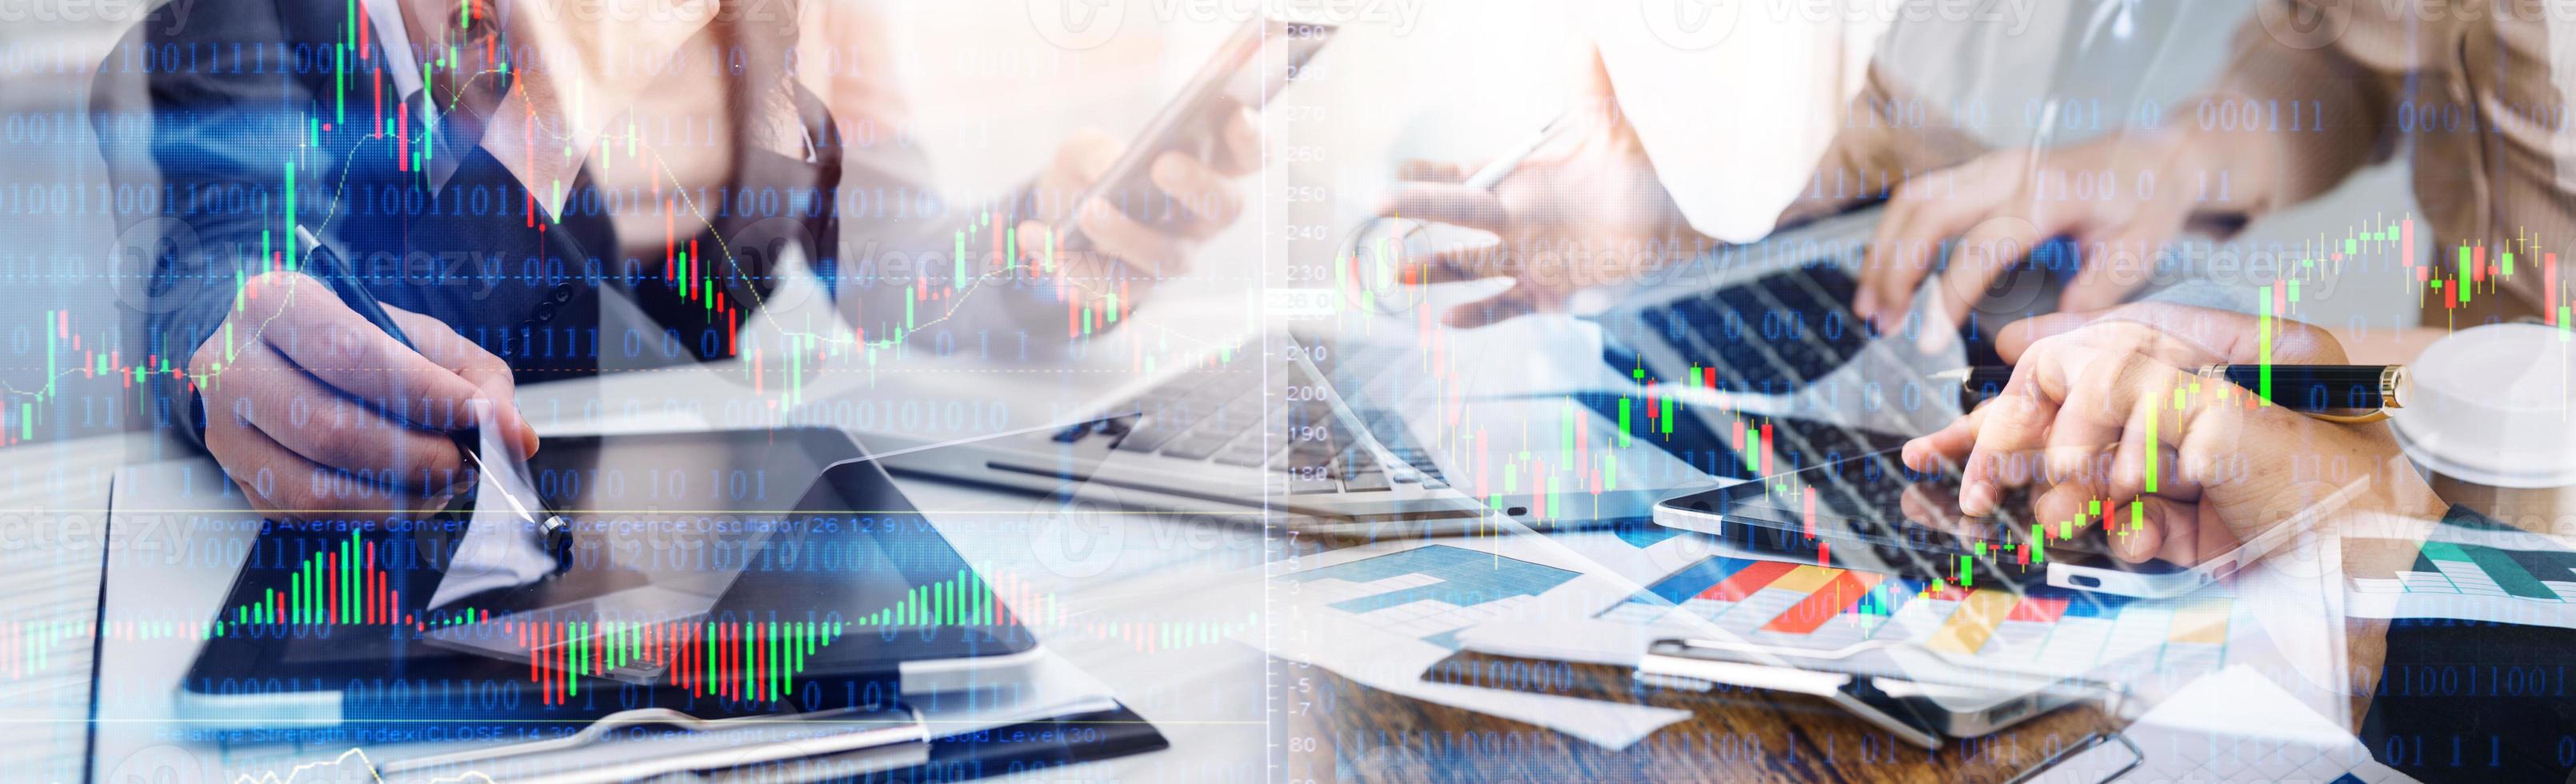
column 717, row 573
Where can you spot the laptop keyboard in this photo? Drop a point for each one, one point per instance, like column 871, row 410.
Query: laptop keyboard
column 1774, row 335
column 1771, row 335
column 1218, row 414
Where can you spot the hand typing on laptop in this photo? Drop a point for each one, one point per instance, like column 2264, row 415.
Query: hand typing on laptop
column 2122, row 199
column 2104, row 406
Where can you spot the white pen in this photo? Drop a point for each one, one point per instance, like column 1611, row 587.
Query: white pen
column 1493, row 172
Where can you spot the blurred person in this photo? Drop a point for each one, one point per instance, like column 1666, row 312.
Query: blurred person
column 526, row 198
column 2313, row 92
column 1671, row 154
column 2471, row 93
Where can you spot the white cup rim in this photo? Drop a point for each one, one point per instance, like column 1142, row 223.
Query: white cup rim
column 2466, row 450
column 2491, row 475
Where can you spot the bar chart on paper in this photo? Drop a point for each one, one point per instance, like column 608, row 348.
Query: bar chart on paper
column 1430, row 593
column 1820, row 607
column 2468, row 581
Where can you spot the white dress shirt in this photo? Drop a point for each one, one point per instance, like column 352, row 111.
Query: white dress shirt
column 1734, row 104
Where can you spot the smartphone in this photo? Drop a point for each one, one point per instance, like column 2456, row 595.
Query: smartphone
column 1257, row 61
column 1873, row 513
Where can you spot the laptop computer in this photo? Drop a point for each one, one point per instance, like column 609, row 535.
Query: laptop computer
column 1837, row 480
column 1325, row 433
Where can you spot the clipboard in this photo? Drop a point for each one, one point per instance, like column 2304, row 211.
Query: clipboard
column 897, row 744
column 1682, row 674
column 1918, row 705
column 1764, row 690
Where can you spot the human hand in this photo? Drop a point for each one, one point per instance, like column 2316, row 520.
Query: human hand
column 1591, row 215
column 1203, row 200
column 2121, row 198
column 2095, row 396
column 319, row 413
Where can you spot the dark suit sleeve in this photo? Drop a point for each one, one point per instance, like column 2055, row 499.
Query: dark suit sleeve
column 253, row 111
column 2475, row 701
column 218, row 142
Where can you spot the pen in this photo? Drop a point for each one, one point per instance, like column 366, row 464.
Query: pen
column 1489, row 175
column 1402, row 231
column 2306, row 389
column 335, row 273
column 1493, row 173
column 344, row 282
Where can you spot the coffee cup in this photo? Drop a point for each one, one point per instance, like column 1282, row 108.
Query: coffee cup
column 2492, row 414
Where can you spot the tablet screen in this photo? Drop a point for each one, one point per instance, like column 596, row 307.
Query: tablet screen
column 688, row 552
column 678, row 512
column 657, row 529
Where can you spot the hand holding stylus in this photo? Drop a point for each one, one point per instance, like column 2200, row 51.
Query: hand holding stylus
column 316, row 412
column 1587, row 212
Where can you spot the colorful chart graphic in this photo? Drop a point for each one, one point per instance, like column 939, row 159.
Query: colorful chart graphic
column 1430, row 593
column 2478, row 570
column 2469, row 581
column 1823, row 607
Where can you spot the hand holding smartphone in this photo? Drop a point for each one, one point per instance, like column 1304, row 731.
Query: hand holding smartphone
column 1256, row 62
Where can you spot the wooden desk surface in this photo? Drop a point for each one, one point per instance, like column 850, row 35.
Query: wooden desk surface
column 1351, row 732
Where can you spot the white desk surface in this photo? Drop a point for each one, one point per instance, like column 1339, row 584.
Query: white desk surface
column 1122, row 568
column 1209, row 700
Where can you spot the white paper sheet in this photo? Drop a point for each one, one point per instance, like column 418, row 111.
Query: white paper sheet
column 2233, row 725
column 502, row 546
column 1389, row 648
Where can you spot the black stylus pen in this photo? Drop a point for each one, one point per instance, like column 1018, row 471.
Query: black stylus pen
column 2301, row 388
column 326, row 265
column 319, row 258
column 335, row 272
